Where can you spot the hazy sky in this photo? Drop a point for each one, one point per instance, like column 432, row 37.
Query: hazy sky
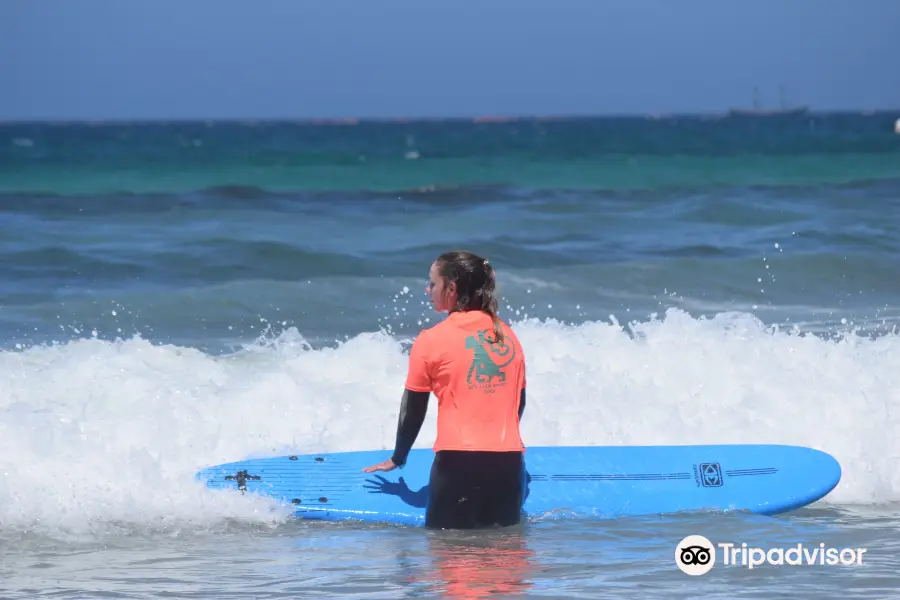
column 95, row 59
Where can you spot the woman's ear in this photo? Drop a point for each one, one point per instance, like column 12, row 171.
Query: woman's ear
column 450, row 293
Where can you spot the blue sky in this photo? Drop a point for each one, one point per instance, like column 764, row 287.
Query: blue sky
column 167, row 59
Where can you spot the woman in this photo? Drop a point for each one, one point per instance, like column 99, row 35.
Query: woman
column 474, row 364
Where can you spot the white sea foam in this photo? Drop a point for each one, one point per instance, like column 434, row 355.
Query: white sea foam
column 97, row 435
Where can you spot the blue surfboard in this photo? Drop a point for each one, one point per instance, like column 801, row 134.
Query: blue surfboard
column 600, row 481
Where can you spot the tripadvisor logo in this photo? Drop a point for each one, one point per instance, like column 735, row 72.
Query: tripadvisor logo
column 696, row 555
column 489, row 359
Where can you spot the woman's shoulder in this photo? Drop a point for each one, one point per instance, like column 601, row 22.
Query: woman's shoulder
column 508, row 328
column 426, row 334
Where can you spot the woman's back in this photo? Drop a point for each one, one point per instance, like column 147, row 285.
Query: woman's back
column 477, row 379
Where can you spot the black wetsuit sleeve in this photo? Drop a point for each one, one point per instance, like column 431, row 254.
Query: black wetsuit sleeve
column 521, row 404
column 412, row 414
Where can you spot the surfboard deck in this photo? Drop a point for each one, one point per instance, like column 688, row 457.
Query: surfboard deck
column 599, row 481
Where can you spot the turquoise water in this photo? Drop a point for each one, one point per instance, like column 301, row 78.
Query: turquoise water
column 599, row 154
column 183, row 294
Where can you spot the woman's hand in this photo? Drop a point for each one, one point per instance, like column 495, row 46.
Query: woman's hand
column 387, row 465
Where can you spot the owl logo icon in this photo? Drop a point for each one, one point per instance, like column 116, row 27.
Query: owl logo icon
column 695, row 555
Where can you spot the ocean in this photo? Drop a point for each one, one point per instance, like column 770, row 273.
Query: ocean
column 175, row 295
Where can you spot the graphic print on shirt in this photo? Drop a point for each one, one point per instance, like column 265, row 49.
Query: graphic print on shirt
column 489, row 360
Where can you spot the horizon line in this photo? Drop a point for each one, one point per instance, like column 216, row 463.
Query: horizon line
column 739, row 113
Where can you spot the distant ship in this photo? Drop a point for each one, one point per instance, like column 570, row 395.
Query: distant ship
column 758, row 111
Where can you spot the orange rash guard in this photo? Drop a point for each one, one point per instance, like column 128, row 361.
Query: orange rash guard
column 479, row 383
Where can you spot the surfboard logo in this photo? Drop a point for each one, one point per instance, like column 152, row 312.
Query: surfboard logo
column 710, row 475
column 489, row 359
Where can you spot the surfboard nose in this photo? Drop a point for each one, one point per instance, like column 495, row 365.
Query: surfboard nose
column 827, row 466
